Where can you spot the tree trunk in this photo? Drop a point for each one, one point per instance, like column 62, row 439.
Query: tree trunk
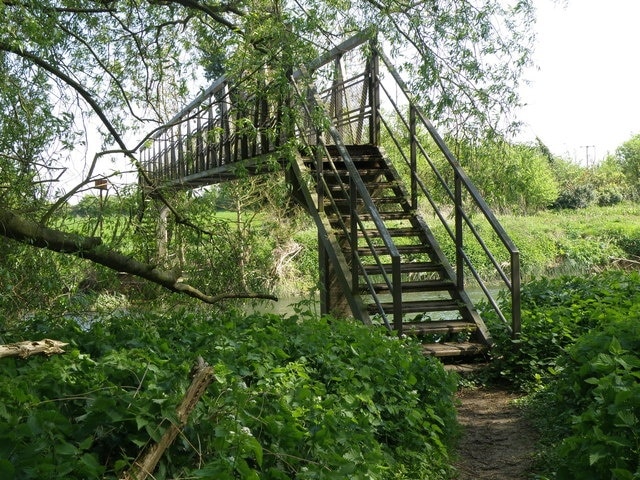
column 28, row 348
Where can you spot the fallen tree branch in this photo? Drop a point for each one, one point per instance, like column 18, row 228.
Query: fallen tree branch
column 26, row 349
column 91, row 248
column 143, row 467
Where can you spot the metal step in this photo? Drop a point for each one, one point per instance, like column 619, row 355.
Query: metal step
column 408, row 267
column 437, row 285
column 402, row 249
column 365, row 217
column 379, row 185
column 394, row 232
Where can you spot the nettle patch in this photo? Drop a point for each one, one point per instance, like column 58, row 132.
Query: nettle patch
column 295, row 397
column 579, row 353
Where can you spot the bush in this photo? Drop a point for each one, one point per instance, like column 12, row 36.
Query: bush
column 580, row 196
column 610, row 197
column 294, row 397
column 596, row 401
column 579, row 353
column 555, row 313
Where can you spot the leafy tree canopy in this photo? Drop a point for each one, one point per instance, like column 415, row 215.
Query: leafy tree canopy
column 129, row 65
column 628, row 157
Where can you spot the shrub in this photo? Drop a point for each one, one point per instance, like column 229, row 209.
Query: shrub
column 609, row 197
column 580, row 196
column 555, row 313
column 596, row 400
column 294, row 397
column 578, row 352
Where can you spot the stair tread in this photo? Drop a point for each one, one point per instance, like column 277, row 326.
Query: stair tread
column 407, row 267
column 379, row 184
column 438, row 326
column 420, row 306
column 384, row 215
column 402, row 249
column 383, row 200
column 453, row 349
column 394, row 232
column 418, row 286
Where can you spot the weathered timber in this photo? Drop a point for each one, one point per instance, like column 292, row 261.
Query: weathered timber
column 202, row 376
column 45, row 346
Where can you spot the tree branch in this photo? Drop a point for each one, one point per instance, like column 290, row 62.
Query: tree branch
column 91, row 248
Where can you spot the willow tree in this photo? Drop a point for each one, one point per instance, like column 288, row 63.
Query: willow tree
column 123, row 67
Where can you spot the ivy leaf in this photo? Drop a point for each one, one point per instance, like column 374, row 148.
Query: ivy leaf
column 7, row 471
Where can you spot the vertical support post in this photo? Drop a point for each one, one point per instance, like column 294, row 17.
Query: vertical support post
column 309, row 127
column 199, row 144
column 225, row 137
column 180, row 167
column 374, row 97
column 174, row 159
column 396, row 294
column 188, row 146
column 325, row 278
column 516, row 306
column 413, row 157
column 336, row 93
column 319, row 159
column 209, row 142
column 459, row 232
column 353, row 234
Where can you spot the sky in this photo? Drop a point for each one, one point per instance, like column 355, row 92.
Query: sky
column 584, row 97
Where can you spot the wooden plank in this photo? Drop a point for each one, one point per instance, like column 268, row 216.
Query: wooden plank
column 394, row 232
column 436, row 285
column 26, row 349
column 421, row 306
column 443, row 326
column 453, row 349
column 410, row 267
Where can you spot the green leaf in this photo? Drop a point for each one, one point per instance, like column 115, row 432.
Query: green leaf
column 7, row 470
column 596, row 457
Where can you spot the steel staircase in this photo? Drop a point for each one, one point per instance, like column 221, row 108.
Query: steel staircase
column 432, row 307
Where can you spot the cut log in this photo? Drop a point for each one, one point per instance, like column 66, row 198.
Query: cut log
column 45, row 346
column 144, row 466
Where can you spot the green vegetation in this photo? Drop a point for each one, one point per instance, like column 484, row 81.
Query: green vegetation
column 628, row 159
column 578, row 355
column 557, row 242
column 295, row 397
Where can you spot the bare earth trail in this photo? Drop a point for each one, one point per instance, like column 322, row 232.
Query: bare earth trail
column 497, row 443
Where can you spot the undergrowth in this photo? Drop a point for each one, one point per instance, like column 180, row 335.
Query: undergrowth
column 579, row 358
column 295, row 397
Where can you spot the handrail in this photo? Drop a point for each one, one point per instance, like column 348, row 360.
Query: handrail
column 462, row 183
column 357, row 186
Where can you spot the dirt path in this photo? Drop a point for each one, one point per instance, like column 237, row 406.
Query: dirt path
column 497, row 443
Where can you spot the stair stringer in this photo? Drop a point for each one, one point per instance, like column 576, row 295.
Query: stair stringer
column 329, row 241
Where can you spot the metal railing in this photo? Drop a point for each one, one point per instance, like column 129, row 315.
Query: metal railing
column 411, row 120
column 222, row 126
column 313, row 128
column 355, row 90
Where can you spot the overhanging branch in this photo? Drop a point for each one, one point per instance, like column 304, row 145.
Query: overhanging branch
column 91, row 248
